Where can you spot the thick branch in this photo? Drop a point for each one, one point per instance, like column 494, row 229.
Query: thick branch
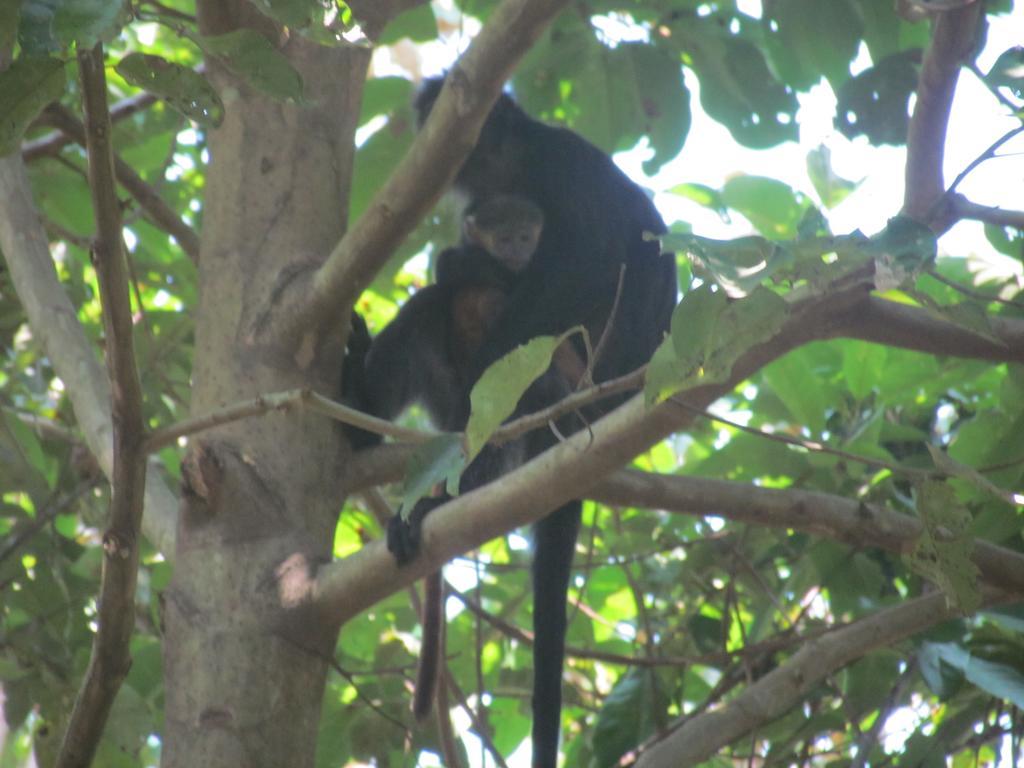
column 900, row 325
column 55, row 325
column 963, row 208
column 952, row 42
column 783, row 688
column 111, row 658
column 852, row 522
column 159, row 211
column 472, row 87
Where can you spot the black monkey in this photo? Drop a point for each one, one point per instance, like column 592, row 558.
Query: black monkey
column 594, row 224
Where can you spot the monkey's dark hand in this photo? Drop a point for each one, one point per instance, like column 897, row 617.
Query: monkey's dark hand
column 405, row 535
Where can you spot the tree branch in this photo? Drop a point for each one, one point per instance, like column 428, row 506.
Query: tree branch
column 473, row 85
column 962, row 208
column 280, row 401
column 952, row 42
column 55, row 325
column 780, row 690
column 846, row 520
column 111, row 657
column 159, row 211
column 55, row 141
column 900, row 325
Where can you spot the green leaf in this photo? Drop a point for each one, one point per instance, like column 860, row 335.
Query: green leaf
column 942, row 554
column 664, row 372
column 708, row 336
column 26, row 87
column 253, row 58
column 863, row 365
column 876, row 102
column 384, row 96
column 378, row 157
column 738, row 265
column 772, row 206
column 497, row 393
column 184, row 89
column 88, row 22
column 9, row 14
column 738, row 88
column 297, row 14
column 797, row 385
column 831, row 189
column 944, row 678
column 418, row 24
column 440, row 459
column 662, row 101
column 703, row 195
column 631, row 713
column 999, row 680
column 1008, row 72
column 744, row 324
column 806, row 39
column 618, row 96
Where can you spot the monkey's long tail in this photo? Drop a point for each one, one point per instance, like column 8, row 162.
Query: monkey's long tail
column 554, row 543
column 432, row 623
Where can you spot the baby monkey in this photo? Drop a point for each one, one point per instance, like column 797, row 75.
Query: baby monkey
column 499, row 237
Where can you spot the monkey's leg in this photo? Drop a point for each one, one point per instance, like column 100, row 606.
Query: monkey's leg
column 554, row 545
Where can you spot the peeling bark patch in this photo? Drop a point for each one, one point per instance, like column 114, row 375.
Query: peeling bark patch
column 216, row 717
column 201, row 472
column 306, row 351
column 116, row 545
column 295, row 580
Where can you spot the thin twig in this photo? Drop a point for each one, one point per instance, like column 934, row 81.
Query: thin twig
column 573, row 402
column 602, row 343
column 988, row 154
column 808, row 445
column 976, row 71
column 281, row 401
column 479, row 727
column 964, row 290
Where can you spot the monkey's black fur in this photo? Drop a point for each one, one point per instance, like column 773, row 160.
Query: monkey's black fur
column 594, row 221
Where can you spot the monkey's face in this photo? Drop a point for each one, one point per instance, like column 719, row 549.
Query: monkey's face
column 513, row 247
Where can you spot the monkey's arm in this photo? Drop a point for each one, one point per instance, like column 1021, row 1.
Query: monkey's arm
column 409, row 361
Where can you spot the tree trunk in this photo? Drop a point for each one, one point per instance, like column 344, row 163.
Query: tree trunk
column 260, row 497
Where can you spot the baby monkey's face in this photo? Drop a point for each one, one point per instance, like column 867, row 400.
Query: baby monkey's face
column 508, row 228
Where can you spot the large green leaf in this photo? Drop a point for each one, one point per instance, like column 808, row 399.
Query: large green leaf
column 876, row 102
column 26, row 87
column 187, row 91
column 497, row 393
